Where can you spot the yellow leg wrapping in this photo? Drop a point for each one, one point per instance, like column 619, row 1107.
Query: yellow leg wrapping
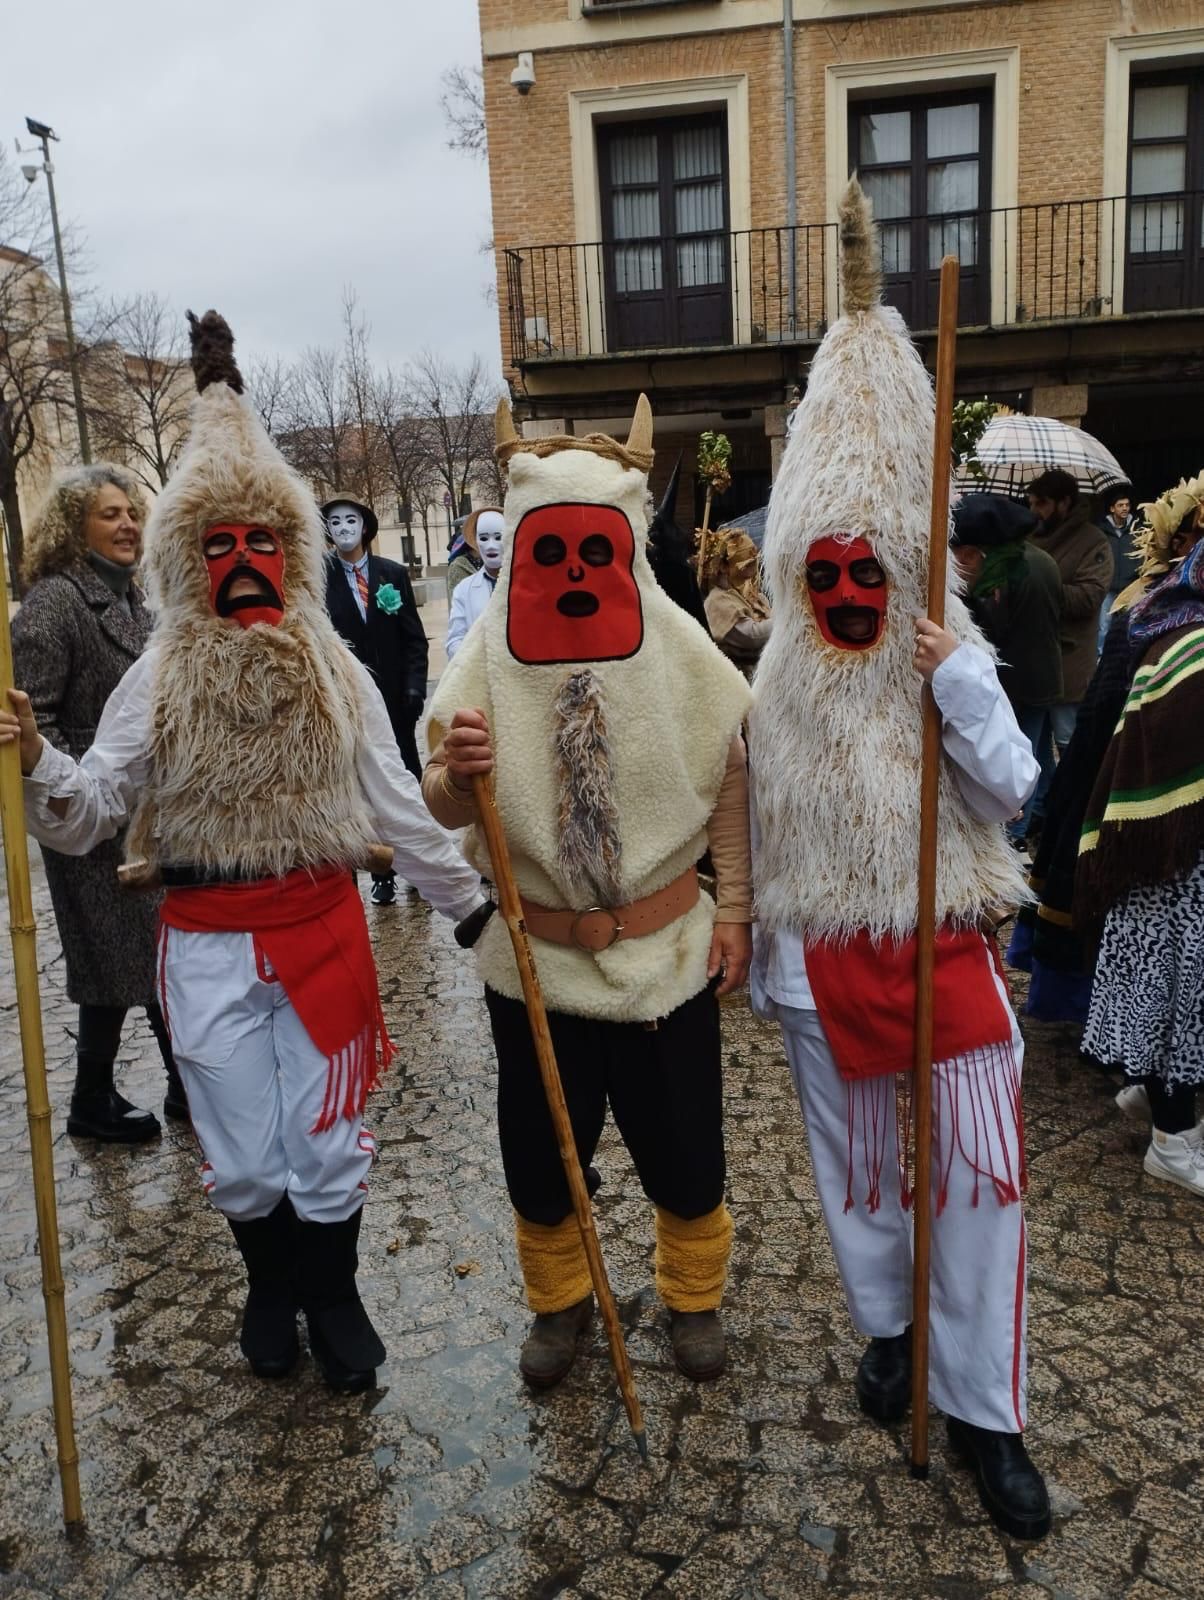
column 691, row 1259
column 553, row 1263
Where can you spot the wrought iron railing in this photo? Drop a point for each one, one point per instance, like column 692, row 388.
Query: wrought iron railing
column 1057, row 261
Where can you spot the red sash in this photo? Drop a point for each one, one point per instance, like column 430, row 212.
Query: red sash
column 865, row 993
column 311, row 929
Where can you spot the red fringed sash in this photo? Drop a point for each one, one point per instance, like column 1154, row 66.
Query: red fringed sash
column 865, row 994
column 311, row 930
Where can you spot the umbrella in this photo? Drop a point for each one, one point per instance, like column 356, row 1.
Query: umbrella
column 1013, row 450
column 752, row 523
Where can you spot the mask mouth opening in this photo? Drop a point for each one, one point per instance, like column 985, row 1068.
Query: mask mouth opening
column 577, row 603
column 856, row 625
column 264, row 595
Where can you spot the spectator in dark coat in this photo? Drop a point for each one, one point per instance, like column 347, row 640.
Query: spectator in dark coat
column 1015, row 593
column 82, row 625
column 1084, row 560
column 371, row 602
column 1117, row 525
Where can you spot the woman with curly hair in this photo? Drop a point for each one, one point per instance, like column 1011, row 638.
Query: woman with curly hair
column 82, row 624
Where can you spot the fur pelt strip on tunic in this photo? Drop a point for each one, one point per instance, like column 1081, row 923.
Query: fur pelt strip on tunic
column 589, row 850
column 835, row 734
column 255, row 729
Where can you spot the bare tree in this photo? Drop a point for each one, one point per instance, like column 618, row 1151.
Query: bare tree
column 463, row 105
column 405, row 448
column 270, row 383
column 35, row 382
column 315, row 431
column 358, row 382
column 140, row 388
column 456, row 406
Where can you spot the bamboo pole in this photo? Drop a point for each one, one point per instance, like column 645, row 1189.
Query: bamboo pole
column 938, row 551
column 512, row 912
column 23, row 930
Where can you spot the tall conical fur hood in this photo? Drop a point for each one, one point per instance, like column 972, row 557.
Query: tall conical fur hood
column 835, row 734
column 229, row 471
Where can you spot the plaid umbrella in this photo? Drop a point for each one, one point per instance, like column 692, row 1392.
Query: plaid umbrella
column 1014, row 450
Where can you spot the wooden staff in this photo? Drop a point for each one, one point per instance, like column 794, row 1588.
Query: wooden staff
column 512, row 912
column 930, row 769
column 33, row 1054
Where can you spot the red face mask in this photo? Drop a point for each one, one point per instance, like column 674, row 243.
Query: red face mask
column 573, row 595
column 848, row 592
column 245, row 551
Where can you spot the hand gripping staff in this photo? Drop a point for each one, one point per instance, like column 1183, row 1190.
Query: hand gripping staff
column 23, row 931
column 512, row 913
column 938, row 550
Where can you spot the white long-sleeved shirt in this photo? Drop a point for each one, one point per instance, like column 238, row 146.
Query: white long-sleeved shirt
column 103, row 788
column 469, row 600
column 995, row 770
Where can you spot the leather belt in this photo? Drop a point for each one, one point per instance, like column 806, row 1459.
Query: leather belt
column 598, row 927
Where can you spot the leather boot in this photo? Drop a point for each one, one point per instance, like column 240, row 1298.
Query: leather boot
column 175, row 1101
column 341, row 1337
column 883, row 1381
column 268, row 1337
column 99, row 1112
column 550, row 1348
column 699, row 1345
column 1009, row 1485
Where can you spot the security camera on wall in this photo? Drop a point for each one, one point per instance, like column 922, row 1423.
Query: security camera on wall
column 523, row 76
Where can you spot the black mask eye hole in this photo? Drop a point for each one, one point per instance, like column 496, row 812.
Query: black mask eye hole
column 867, row 573
column 822, row 575
column 216, row 545
column 597, row 550
column 261, row 540
column 549, row 550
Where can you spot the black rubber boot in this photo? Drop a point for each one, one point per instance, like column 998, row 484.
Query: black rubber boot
column 1009, row 1485
column 99, row 1112
column 341, row 1337
column 883, row 1381
column 550, row 1348
column 268, row 1337
column 175, row 1101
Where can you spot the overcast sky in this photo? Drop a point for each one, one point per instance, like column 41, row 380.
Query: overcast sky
column 257, row 155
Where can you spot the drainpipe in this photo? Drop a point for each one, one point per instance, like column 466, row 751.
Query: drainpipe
column 791, row 161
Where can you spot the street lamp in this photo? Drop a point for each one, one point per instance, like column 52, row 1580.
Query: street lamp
column 44, row 134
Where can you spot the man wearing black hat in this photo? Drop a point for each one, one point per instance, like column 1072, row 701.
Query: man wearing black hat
column 1014, row 591
column 371, row 603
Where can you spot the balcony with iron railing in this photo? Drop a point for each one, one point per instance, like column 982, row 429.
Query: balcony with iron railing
column 1053, row 262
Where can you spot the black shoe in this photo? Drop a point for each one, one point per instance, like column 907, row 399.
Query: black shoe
column 883, row 1381
column 175, row 1101
column 341, row 1337
column 109, row 1116
column 550, row 1348
column 384, row 890
column 1010, row 1487
column 268, row 1337
column 699, row 1345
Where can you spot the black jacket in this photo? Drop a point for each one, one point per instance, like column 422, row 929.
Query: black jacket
column 391, row 645
column 1024, row 623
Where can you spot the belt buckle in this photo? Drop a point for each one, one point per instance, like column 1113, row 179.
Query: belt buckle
column 576, row 931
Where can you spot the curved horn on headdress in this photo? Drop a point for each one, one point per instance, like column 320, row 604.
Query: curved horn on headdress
column 640, row 437
column 666, row 512
column 504, row 432
column 213, row 352
column 860, row 253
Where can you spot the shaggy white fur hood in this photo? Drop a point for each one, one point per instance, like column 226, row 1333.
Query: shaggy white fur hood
column 671, row 709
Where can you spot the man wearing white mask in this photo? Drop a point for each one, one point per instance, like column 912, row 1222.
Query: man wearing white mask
column 371, row 603
column 471, row 597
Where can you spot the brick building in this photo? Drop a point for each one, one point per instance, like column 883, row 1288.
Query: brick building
column 646, row 236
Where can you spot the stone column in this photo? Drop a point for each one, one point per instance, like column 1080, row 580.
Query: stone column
column 1066, row 402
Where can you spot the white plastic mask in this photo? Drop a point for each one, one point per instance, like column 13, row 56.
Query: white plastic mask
column 489, row 541
column 345, row 525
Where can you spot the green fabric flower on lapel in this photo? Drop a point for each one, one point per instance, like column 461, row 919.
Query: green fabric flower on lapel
column 388, row 599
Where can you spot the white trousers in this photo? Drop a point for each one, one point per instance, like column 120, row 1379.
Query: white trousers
column 977, row 1353
column 256, row 1084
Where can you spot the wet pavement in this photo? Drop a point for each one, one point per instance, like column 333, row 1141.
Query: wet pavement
column 451, row 1481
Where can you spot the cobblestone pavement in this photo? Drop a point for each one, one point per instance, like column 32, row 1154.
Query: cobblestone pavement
column 452, row 1482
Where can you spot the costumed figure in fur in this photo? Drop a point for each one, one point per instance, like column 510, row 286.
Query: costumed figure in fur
column 612, row 727
column 255, row 757
column 835, row 737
